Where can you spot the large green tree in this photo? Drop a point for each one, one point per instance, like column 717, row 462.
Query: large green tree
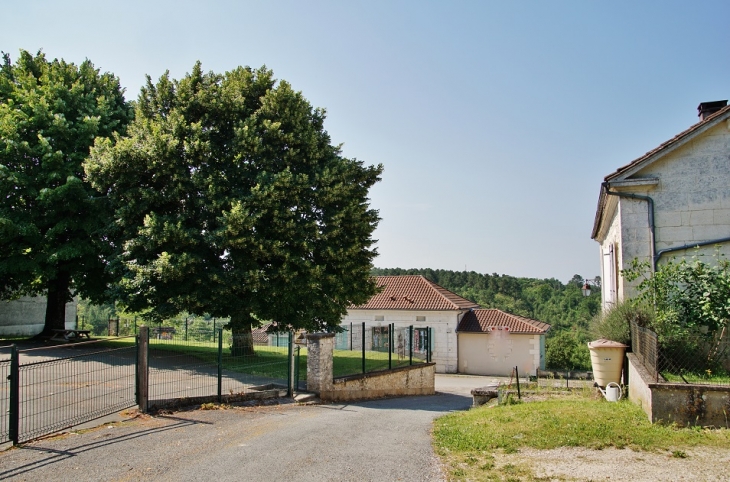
column 50, row 217
column 231, row 200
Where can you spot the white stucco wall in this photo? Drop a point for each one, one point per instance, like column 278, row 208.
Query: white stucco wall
column 497, row 353
column 26, row 316
column 443, row 324
column 691, row 204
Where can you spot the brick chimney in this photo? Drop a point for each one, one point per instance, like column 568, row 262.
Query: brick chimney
column 706, row 109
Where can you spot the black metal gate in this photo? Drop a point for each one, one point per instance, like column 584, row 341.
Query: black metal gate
column 52, row 388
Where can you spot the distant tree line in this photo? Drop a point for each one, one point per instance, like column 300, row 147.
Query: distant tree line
column 563, row 306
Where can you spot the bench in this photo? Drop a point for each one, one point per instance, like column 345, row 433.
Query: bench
column 70, row 335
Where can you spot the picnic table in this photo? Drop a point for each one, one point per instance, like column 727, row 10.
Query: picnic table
column 70, row 335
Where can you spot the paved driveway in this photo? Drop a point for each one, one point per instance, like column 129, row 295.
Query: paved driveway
column 376, row 440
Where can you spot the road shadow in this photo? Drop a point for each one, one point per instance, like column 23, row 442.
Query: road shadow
column 52, row 456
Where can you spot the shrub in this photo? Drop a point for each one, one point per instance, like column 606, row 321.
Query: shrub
column 614, row 324
column 568, row 350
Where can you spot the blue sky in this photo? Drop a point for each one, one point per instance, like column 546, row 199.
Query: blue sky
column 495, row 121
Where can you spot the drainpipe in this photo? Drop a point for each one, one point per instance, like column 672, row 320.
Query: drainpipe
column 689, row 246
column 655, row 255
column 650, row 201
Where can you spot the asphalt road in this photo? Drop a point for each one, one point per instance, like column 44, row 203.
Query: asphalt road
column 379, row 440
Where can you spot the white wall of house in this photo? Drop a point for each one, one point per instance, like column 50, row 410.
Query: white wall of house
column 498, row 352
column 443, row 324
column 26, row 316
column 691, row 204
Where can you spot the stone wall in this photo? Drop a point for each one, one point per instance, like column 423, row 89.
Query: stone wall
column 691, row 204
column 412, row 380
column 683, row 404
column 26, row 316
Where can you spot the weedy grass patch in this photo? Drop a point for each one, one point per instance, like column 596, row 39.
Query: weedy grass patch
column 467, row 441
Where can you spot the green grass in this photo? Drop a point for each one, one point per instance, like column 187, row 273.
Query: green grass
column 271, row 361
column 349, row 362
column 707, row 377
column 467, row 441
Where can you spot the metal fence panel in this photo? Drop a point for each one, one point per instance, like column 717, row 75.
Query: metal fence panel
column 186, row 364
column 58, row 390
column 361, row 349
column 4, row 399
column 697, row 358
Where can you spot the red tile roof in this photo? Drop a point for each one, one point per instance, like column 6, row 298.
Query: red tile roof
column 414, row 293
column 483, row 321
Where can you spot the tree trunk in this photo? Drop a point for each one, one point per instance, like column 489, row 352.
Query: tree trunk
column 56, row 304
column 241, row 329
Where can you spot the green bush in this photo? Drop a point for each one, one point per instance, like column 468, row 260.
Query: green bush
column 614, row 324
column 568, row 350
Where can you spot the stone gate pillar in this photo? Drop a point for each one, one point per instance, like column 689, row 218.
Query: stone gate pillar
column 320, row 347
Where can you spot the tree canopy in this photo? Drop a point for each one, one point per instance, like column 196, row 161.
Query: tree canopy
column 231, row 200
column 50, row 114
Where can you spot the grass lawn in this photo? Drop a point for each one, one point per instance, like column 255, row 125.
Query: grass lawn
column 270, row 361
column 468, row 441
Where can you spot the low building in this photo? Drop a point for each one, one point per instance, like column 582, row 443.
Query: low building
column 415, row 301
column 492, row 342
column 26, row 316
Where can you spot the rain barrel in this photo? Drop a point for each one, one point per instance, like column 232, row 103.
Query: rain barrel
column 607, row 359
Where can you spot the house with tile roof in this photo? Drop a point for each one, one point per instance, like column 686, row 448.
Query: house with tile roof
column 672, row 201
column 410, row 300
column 493, row 342
column 415, row 301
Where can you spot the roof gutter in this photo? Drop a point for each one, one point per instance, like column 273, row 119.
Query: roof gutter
column 652, row 243
column 655, row 255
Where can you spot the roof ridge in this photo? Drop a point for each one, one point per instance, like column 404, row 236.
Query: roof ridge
column 434, row 286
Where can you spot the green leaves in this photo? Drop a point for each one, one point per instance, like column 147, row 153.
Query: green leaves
column 50, row 114
column 231, row 200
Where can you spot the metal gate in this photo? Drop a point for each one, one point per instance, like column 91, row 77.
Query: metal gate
column 49, row 389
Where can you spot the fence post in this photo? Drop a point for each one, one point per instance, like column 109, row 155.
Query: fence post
column 135, row 324
column 143, row 374
column 350, row 336
column 186, row 328
column 296, row 369
column 14, row 408
column 220, row 365
column 290, row 356
column 213, row 330
column 363, row 347
column 428, row 345
column 410, row 345
column 390, row 347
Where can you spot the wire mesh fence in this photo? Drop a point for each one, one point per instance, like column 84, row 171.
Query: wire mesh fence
column 698, row 358
column 4, row 398
column 196, row 363
column 63, row 386
column 361, row 349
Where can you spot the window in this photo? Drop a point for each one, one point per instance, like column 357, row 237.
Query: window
column 380, row 318
column 420, row 318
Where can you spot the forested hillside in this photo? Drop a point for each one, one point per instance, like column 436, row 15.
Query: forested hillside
column 548, row 300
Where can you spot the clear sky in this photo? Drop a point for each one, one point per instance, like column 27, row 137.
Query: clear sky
column 495, row 121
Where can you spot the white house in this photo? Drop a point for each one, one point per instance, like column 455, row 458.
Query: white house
column 492, row 342
column 667, row 202
column 414, row 300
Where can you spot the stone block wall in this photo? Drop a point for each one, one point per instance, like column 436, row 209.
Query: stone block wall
column 412, row 380
column 683, row 404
